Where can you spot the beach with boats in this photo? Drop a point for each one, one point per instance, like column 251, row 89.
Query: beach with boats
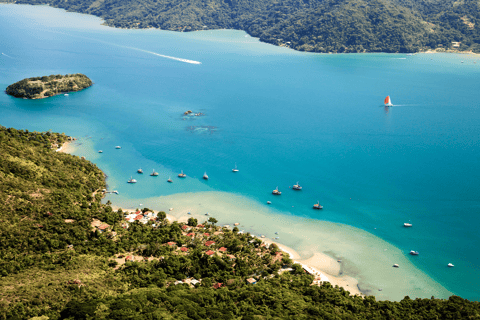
column 280, row 118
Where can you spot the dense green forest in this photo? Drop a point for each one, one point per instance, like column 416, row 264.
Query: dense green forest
column 47, row 86
column 65, row 255
column 307, row 25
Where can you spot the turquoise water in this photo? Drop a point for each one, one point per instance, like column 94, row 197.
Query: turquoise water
column 282, row 116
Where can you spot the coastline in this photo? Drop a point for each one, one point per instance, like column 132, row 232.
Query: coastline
column 68, row 147
column 104, row 23
column 323, row 267
column 349, row 257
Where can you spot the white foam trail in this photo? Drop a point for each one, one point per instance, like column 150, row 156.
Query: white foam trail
column 6, row 55
column 168, row 57
column 132, row 48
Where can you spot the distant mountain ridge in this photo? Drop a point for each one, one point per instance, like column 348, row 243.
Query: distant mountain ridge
column 306, row 25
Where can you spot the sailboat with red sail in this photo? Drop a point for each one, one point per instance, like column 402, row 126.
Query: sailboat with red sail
column 388, row 102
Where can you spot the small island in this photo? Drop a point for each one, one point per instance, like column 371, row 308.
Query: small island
column 48, row 86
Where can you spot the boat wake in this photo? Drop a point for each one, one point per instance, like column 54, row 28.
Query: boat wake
column 165, row 56
column 132, row 48
column 3, row 54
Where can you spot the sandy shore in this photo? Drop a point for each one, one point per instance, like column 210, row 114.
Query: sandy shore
column 323, row 266
column 67, row 147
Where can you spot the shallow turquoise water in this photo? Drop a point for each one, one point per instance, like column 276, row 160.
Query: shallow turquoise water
column 282, row 116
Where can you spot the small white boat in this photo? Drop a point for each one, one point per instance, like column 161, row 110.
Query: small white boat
column 297, row 186
column 205, row 176
column 276, row 192
column 118, row 147
column 140, row 170
column 388, row 102
column 154, row 174
column 100, row 151
column 450, row 265
column 396, row 265
column 66, row 94
column 182, row 175
column 269, row 202
column 414, row 253
column 169, row 179
column 407, row 225
column 132, row 180
column 235, row 169
column 317, row 206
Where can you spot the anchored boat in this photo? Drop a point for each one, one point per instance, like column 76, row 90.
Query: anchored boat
column 317, row 206
column 297, row 186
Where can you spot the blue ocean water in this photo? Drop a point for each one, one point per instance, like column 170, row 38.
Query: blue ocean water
column 281, row 116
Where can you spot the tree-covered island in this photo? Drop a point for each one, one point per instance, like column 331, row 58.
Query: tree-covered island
column 65, row 255
column 48, row 86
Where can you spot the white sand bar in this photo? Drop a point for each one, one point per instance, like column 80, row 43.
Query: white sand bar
column 364, row 258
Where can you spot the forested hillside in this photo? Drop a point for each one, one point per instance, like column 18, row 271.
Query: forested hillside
column 64, row 255
column 308, row 25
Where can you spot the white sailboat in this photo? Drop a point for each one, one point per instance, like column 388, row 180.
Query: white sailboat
column 276, row 192
column 132, row 180
column 235, row 169
column 297, row 186
column 388, row 102
column 317, row 206
column 205, row 176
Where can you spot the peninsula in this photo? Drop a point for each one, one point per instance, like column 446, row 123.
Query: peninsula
column 66, row 255
column 48, row 86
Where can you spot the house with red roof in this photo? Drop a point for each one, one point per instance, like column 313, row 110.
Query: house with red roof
column 209, row 252
column 191, row 234
column 222, row 249
column 218, row 285
column 209, row 243
column 184, row 249
column 171, row 243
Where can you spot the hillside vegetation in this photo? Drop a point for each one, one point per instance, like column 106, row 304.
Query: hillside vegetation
column 47, row 86
column 64, row 255
column 308, row 25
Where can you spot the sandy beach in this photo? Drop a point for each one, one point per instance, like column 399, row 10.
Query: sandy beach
column 323, row 266
column 68, row 147
column 349, row 257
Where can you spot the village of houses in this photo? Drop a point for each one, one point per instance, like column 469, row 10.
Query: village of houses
column 211, row 237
